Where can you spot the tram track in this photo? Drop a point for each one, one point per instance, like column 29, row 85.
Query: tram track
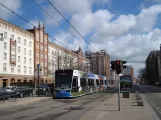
column 48, row 105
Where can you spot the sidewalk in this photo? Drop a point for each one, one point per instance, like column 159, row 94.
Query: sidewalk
column 21, row 101
column 108, row 110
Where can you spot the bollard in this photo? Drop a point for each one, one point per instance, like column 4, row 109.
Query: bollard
column 140, row 103
column 126, row 95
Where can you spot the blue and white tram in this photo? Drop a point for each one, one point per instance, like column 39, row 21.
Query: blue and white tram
column 70, row 83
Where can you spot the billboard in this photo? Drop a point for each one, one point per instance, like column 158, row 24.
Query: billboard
column 125, row 83
column 12, row 51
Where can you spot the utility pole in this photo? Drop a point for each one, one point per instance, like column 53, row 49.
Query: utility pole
column 38, row 68
column 118, row 81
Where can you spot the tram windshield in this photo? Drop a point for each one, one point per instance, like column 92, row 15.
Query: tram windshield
column 63, row 79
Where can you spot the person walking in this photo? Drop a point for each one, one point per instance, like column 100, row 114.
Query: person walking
column 52, row 90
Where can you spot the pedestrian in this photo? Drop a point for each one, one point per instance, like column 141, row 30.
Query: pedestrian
column 52, row 89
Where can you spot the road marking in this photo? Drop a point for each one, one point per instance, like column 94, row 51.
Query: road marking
column 99, row 117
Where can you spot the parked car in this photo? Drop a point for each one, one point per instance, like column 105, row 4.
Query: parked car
column 4, row 95
column 158, row 83
column 19, row 91
column 43, row 89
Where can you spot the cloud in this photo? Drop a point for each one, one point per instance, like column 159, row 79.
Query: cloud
column 126, row 36
column 147, row 18
column 13, row 5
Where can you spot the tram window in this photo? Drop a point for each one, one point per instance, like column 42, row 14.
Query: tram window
column 92, row 82
column 101, row 82
column 97, row 81
column 75, row 82
column 105, row 82
column 82, row 82
column 89, row 82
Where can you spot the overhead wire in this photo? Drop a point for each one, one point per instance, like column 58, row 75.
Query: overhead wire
column 55, row 20
column 32, row 24
column 71, row 25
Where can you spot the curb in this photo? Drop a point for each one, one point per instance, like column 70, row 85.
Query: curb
column 155, row 116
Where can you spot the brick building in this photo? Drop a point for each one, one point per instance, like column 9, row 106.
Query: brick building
column 99, row 62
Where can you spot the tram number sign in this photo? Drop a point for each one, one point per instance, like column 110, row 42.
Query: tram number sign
column 62, row 73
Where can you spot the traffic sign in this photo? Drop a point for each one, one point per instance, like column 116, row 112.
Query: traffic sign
column 38, row 66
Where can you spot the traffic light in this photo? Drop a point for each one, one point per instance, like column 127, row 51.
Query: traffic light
column 113, row 65
column 118, row 66
column 123, row 66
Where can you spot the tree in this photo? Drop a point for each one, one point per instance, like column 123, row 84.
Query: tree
column 142, row 74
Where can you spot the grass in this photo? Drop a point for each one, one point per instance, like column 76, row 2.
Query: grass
column 77, row 93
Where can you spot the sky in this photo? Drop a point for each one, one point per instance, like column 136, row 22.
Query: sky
column 126, row 29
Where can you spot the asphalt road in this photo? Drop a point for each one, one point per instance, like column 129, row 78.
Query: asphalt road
column 55, row 109
column 152, row 95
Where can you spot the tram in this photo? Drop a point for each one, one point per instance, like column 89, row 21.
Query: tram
column 72, row 83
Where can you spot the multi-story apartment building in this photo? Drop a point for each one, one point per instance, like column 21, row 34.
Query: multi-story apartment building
column 41, row 52
column 128, row 71
column 62, row 58
column 100, row 62
column 22, row 50
column 153, row 67
column 16, row 55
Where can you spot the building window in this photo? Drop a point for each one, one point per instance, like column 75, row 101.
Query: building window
column 37, row 55
column 41, row 47
column 5, row 45
column 5, row 35
column 37, row 45
column 12, row 69
column 19, row 40
column 24, row 41
column 25, row 69
column 45, row 56
column 30, row 61
column 30, row 53
column 12, row 37
column 19, row 70
column 41, row 55
column 30, row 44
column 41, row 63
column 45, row 64
column 24, row 51
column 24, row 60
column 19, row 59
column 45, row 72
column 19, row 49
column 4, row 67
column 5, row 56
column 30, row 70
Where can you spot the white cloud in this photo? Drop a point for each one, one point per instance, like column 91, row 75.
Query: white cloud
column 147, row 18
column 129, row 37
column 13, row 5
